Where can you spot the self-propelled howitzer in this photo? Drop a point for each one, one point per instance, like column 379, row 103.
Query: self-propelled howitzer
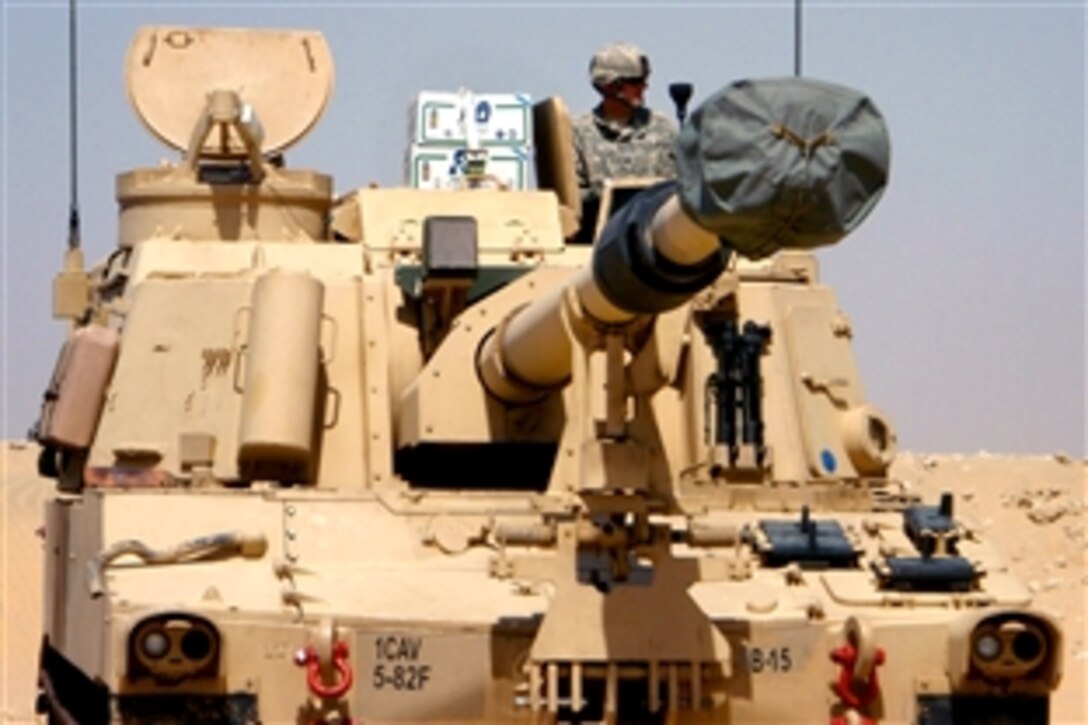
column 408, row 454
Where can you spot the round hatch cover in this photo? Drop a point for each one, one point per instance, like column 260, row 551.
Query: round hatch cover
column 285, row 75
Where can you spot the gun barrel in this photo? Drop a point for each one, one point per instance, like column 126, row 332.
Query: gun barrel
column 761, row 166
column 531, row 353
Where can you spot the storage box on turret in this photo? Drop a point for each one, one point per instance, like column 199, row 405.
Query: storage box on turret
column 449, row 118
column 438, row 167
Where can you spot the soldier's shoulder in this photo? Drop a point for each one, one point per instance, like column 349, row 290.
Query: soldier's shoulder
column 584, row 129
column 583, row 122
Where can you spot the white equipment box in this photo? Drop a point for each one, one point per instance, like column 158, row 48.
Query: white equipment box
column 437, row 167
column 452, row 119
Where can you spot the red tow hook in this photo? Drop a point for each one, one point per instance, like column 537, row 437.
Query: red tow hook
column 856, row 694
column 345, row 677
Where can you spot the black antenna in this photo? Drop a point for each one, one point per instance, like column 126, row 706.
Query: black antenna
column 681, row 94
column 73, row 210
column 797, row 38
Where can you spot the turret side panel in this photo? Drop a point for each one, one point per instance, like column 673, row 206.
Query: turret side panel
column 825, row 380
column 767, row 304
column 176, row 374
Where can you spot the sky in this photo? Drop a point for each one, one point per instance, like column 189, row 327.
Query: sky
column 965, row 287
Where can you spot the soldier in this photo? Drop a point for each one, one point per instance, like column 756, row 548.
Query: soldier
column 621, row 137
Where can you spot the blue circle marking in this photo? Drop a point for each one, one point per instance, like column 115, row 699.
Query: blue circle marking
column 827, row 458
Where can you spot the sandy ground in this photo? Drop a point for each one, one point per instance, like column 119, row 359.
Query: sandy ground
column 21, row 500
column 1033, row 507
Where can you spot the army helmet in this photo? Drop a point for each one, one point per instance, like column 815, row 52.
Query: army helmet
column 618, row 60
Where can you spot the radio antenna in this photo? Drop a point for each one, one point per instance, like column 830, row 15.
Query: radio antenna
column 73, row 210
column 797, row 38
column 71, row 290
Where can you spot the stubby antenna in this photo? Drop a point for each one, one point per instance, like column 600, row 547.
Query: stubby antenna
column 681, row 94
column 73, row 211
column 797, row 38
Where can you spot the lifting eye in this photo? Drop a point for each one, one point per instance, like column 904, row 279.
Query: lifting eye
column 869, row 440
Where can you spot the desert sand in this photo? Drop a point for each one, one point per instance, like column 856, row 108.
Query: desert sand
column 1032, row 507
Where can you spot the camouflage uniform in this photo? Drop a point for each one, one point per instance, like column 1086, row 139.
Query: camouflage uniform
column 606, row 149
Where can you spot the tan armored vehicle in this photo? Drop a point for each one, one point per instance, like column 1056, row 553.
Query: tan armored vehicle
column 408, row 454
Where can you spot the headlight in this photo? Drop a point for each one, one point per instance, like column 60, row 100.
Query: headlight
column 173, row 647
column 1027, row 645
column 154, row 644
column 196, row 644
column 988, row 647
column 1004, row 650
column 1008, row 648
